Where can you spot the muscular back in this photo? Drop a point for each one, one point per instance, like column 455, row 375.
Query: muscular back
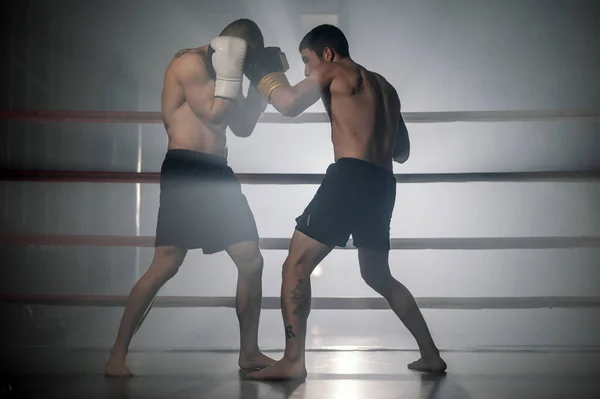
column 365, row 111
column 187, row 81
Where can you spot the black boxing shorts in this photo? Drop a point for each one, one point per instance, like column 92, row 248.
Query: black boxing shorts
column 201, row 204
column 355, row 198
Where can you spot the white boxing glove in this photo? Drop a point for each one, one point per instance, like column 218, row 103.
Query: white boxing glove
column 228, row 55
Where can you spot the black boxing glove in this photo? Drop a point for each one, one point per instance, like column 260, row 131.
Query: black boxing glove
column 266, row 68
column 261, row 62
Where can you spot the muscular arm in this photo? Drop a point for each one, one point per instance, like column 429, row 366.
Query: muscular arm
column 247, row 112
column 293, row 100
column 193, row 76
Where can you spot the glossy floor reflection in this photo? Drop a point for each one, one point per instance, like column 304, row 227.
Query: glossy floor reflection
column 332, row 375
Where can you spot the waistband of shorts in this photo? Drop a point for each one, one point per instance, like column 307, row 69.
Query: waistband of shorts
column 365, row 165
column 196, row 156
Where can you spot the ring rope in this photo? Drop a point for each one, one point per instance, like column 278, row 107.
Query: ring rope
column 323, row 303
column 294, row 178
column 461, row 243
column 309, row 117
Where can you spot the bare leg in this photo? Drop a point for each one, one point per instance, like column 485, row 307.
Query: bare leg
column 249, row 262
column 164, row 266
column 304, row 255
column 375, row 270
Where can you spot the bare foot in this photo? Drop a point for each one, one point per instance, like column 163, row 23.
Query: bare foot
column 116, row 367
column 432, row 365
column 256, row 361
column 282, row 370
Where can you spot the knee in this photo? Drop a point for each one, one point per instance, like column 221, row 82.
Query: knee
column 166, row 264
column 296, row 266
column 249, row 262
column 378, row 281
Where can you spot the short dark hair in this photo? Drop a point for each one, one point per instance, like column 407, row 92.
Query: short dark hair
column 325, row 36
column 245, row 29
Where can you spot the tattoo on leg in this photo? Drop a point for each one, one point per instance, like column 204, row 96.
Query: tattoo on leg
column 289, row 334
column 297, row 292
column 300, row 298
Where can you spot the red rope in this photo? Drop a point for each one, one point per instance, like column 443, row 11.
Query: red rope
column 76, row 240
column 146, row 177
column 82, row 116
column 325, row 303
column 290, row 179
column 280, row 243
column 79, row 176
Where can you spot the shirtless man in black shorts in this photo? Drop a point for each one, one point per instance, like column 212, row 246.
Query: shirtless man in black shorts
column 357, row 195
column 201, row 201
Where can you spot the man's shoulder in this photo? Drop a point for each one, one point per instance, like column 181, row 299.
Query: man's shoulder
column 324, row 74
column 188, row 61
column 190, row 56
column 384, row 82
column 354, row 68
column 382, row 79
column 193, row 52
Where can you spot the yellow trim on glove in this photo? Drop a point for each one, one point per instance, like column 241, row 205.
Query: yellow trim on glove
column 270, row 82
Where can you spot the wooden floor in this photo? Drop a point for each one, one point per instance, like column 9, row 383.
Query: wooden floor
column 332, row 375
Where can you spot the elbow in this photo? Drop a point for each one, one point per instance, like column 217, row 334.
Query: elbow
column 285, row 104
column 216, row 118
column 287, row 109
column 213, row 117
column 217, row 113
column 291, row 112
column 212, row 114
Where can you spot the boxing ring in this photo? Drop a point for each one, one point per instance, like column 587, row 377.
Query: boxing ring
column 281, row 243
